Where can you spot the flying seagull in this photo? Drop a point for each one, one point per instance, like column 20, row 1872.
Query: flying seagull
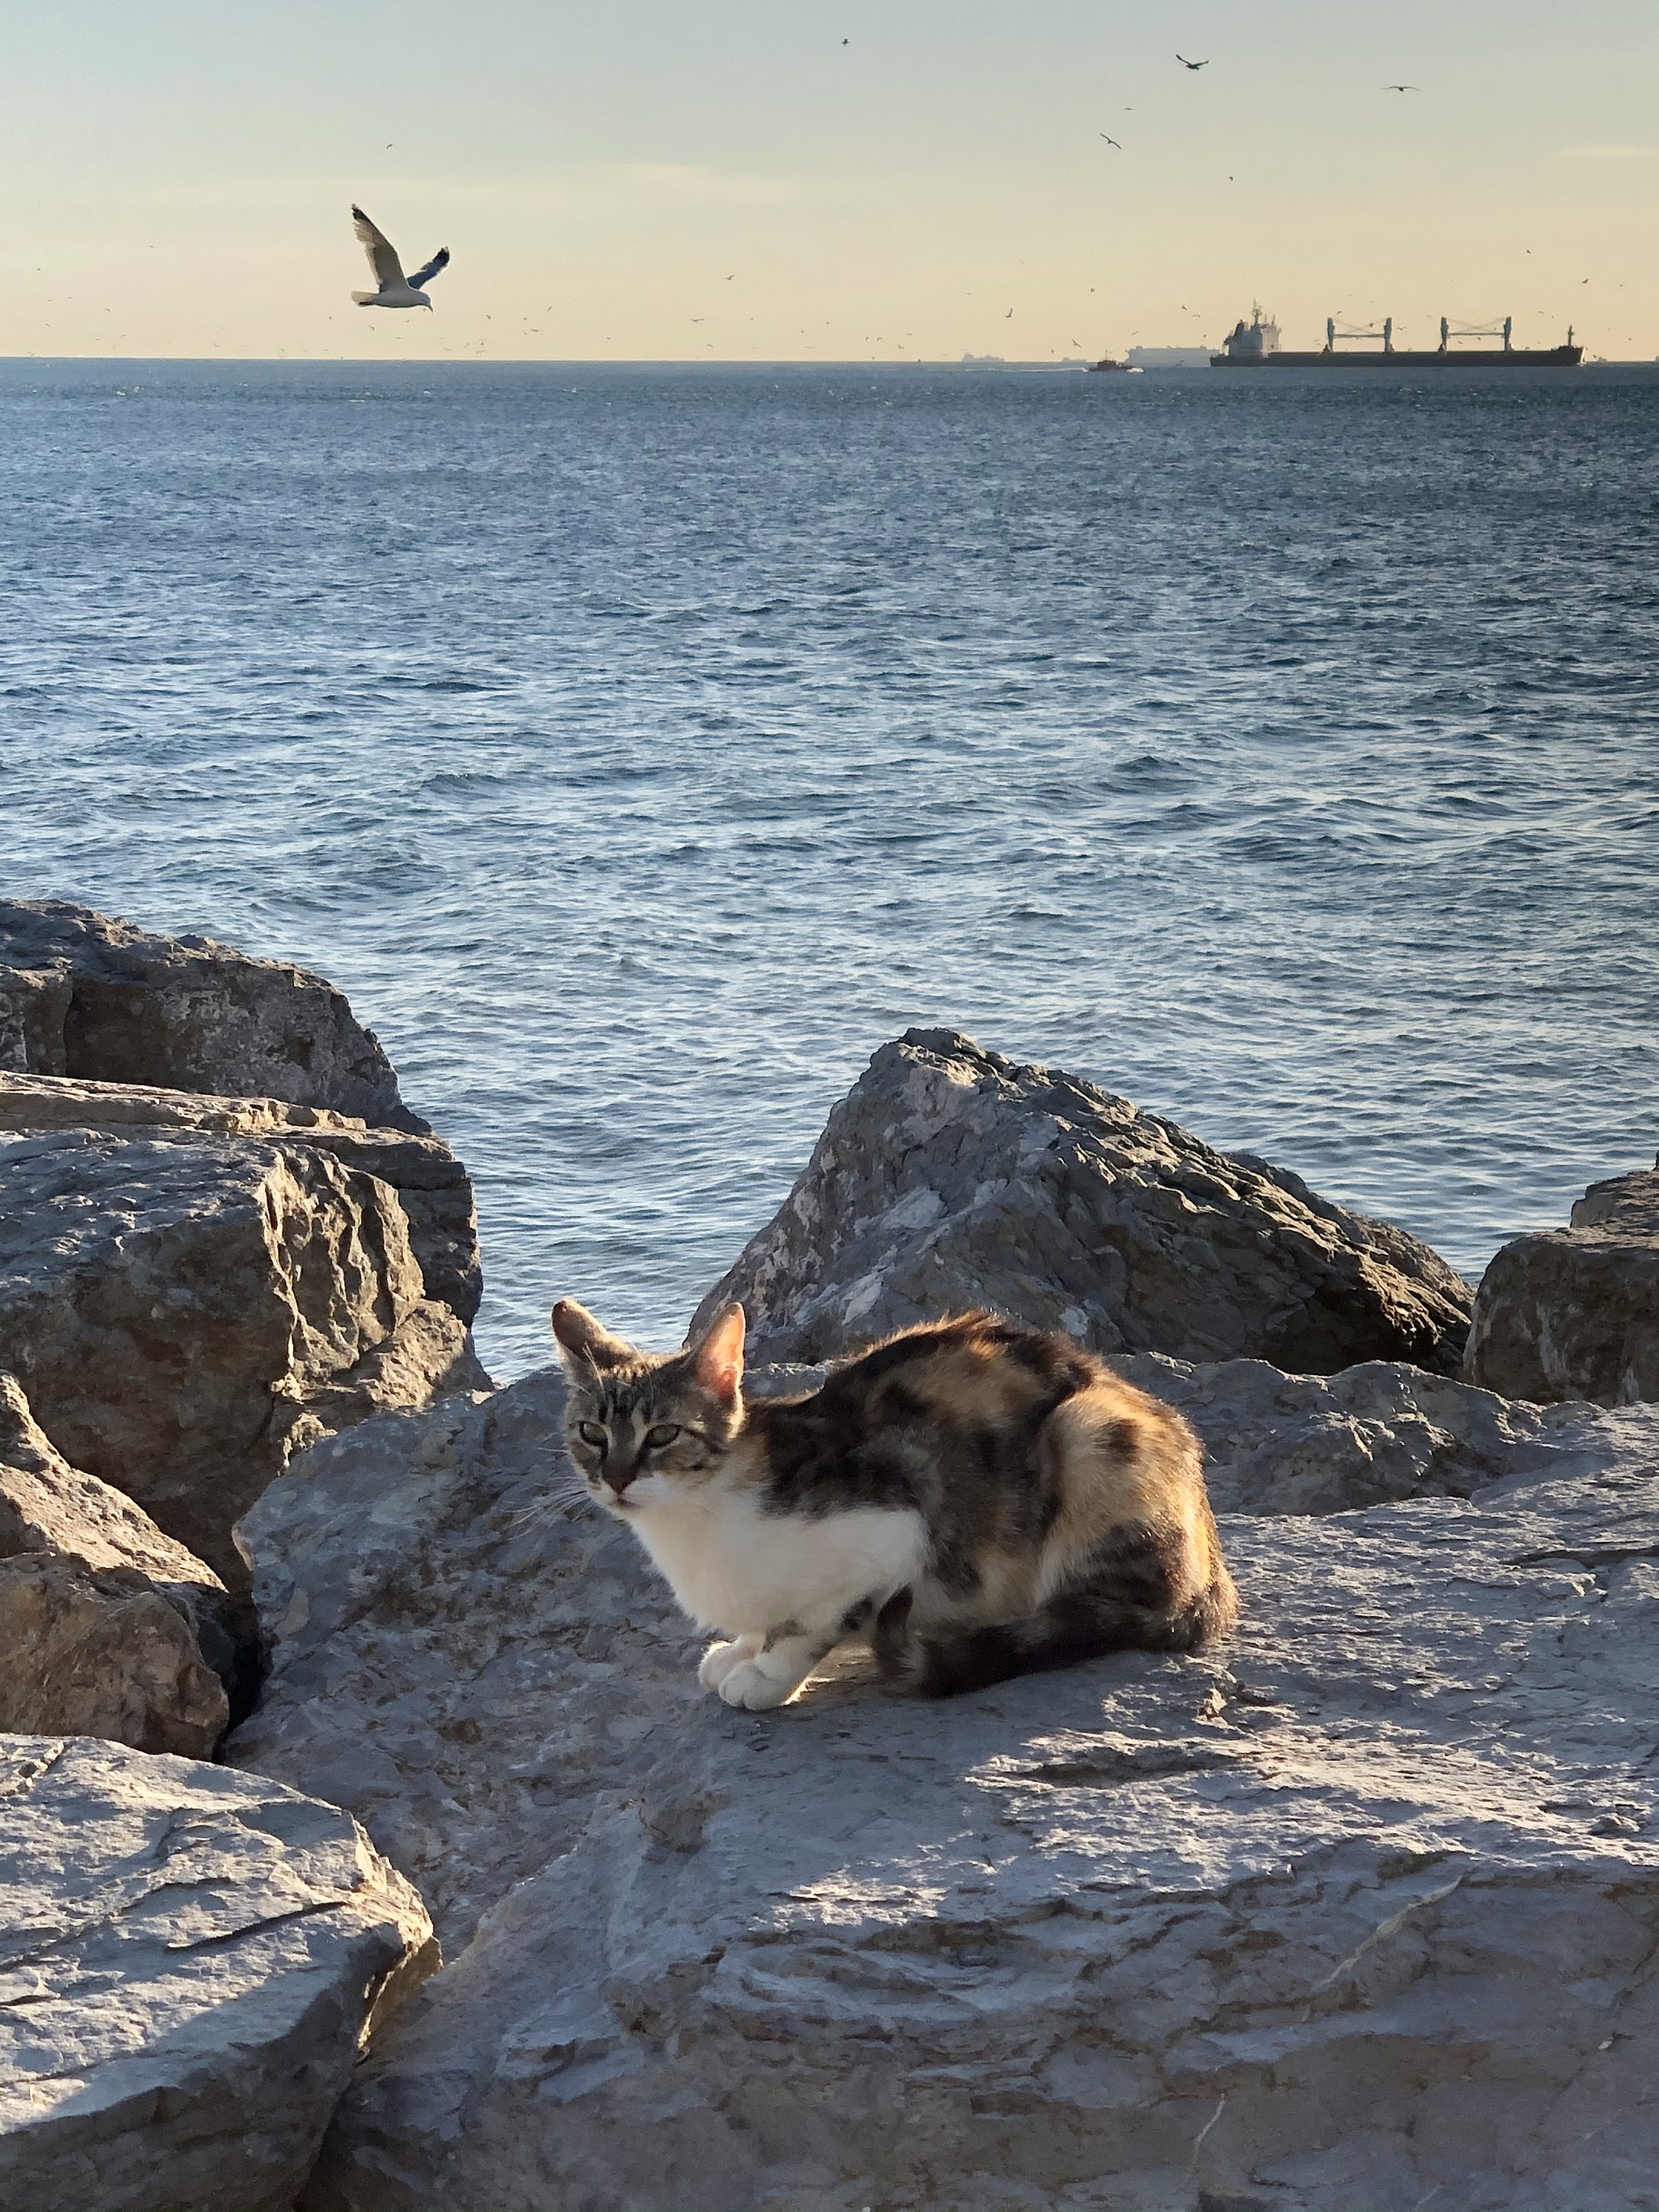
column 1185, row 64
column 395, row 290
column 1111, row 141
column 1402, row 87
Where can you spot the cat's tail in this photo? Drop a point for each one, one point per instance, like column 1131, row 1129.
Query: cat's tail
column 1143, row 1589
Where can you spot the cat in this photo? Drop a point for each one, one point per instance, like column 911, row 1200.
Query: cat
column 975, row 1498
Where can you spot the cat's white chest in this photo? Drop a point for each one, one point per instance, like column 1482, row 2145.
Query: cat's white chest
column 738, row 1570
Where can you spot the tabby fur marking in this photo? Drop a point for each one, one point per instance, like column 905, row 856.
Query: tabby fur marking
column 974, row 1498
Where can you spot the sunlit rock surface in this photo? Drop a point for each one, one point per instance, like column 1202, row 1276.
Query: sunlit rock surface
column 108, row 1627
column 183, row 1307
column 84, row 994
column 1358, row 1908
column 1574, row 1312
column 193, row 1960
column 951, row 1177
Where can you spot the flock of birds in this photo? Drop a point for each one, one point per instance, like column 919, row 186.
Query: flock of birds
column 1205, row 63
column 394, row 290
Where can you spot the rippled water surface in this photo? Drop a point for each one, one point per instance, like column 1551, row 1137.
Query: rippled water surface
column 640, row 749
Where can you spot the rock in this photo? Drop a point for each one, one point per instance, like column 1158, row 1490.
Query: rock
column 184, row 1308
column 192, row 1960
column 1358, row 1908
column 1628, row 1202
column 432, row 1185
column 449, row 1656
column 1314, row 1444
column 951, row 1177
column 108, row 1627
column 1574, row 1312
column 82, row 994
column 32, row 1010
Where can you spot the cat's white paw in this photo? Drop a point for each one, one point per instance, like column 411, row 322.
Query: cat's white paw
column 717, row 1661
column 747, row 1686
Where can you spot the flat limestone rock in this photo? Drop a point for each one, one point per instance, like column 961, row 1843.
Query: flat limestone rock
column 456, row 1645
column 432, row 1186
column 108, row 1627
column 184, row 1307
column 950, row 1178
column 84, row 994
column 1574, row 1312
column 1359, row 1907
column 191, row 1961
column 1370, row 1436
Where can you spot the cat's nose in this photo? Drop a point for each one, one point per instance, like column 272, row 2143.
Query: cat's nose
column 619, row 1477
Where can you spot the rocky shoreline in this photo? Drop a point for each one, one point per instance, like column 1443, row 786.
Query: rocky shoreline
column 309, row 1669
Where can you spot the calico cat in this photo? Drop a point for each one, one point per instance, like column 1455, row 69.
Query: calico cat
column 975, row 1498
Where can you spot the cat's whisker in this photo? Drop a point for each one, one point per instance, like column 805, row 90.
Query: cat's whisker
column 555, row 1504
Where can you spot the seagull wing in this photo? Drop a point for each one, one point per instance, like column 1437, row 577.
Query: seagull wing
column 382, row 253
column 439, row 261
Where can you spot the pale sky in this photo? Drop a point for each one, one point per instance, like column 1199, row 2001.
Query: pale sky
column 793, row 179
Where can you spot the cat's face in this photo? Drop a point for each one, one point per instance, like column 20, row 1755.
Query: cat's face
column 643, row 1428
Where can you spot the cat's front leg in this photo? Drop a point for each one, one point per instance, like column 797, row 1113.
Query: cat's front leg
column 720, row 1658
column 774, row 1671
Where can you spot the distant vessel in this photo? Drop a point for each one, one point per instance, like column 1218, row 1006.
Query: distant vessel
column 1108, row 367
column 1169, row 356
column 1255, row 345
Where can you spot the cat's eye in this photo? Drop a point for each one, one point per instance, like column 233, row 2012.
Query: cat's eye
column 591, row 1433
column 664, row 1433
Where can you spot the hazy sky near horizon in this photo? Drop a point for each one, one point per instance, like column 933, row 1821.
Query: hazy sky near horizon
column 748, row 180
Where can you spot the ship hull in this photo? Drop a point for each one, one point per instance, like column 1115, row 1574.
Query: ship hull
column 1566, row 356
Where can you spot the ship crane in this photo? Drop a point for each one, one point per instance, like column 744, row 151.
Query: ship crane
column 1332, row 334
column 1503, row 332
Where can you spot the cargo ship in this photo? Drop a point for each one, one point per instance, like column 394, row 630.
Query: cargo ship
column 1255, row 345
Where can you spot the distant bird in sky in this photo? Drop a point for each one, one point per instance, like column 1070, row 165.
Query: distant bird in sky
column 1009, row 317
column 1111, row 141
column 1185, row 64
column 1402, row 87
column 395, row 290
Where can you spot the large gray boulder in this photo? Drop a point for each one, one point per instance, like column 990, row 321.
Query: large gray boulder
column 1574, row 1312
column 432, row 1186
column 1370, row 1436
column 1355, row 1910
column 108, row 1627
column 950, row 1178
column 192, row 1961
column 84, row 994
column 184, row 1307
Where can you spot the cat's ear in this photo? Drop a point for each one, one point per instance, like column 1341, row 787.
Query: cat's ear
column 717, row 1355
column 584, row 1344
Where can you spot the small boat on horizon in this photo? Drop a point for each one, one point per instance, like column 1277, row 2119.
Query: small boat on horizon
column 1108, row 367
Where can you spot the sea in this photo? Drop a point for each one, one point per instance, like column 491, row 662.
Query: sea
column 641, row 747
